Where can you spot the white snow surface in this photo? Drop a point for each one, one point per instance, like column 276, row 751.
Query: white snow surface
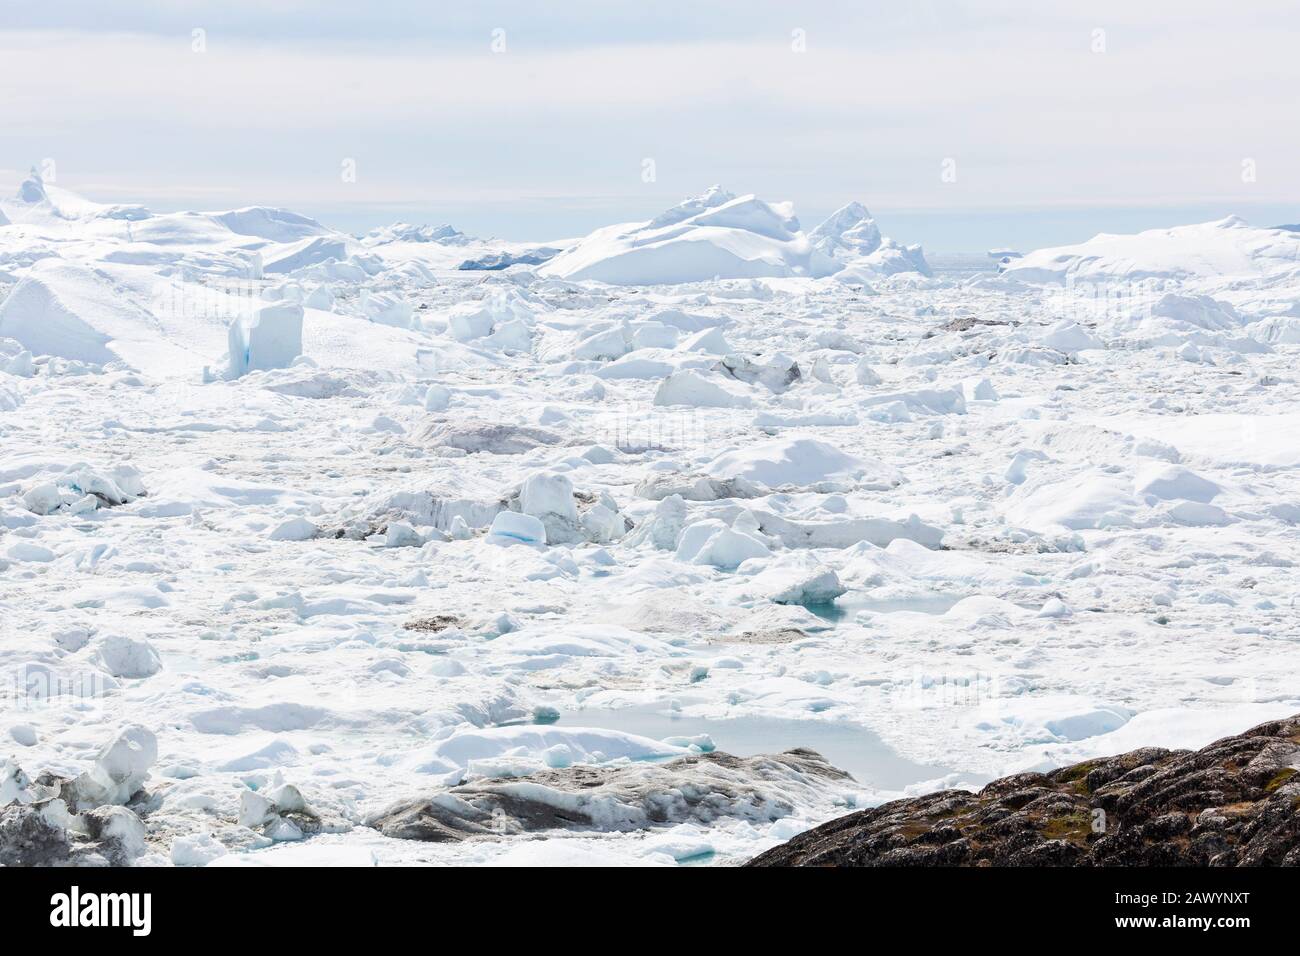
column 954, row 513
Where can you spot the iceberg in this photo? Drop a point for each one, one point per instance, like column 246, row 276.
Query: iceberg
column 851, row 236
column 714, row 235
column 1226, row 247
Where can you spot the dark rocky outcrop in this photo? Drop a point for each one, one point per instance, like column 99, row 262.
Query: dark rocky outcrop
column 1233, row 803
column 29, row 838
column 43, row 834
column 964, row 323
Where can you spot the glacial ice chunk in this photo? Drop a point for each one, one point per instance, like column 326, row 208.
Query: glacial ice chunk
column 549, row 498
column 518, row 527
column 701, row 390
column 120, row 769
column 270, row 338
column 294, row 529
column 129, row 657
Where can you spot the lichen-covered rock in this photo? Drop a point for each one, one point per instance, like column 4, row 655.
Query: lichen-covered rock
column 1233, row 803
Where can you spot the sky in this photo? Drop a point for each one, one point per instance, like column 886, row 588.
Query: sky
column 961, row 125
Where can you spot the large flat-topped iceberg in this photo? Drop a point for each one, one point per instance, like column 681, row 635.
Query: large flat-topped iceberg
column 715, row 235
column 1227, row 247
column 268, row 222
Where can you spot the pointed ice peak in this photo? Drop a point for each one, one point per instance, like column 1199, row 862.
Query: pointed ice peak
column 711, row 198
column 715, row 195
column 47, row 201
column 848, row 232
column 847, row 215
column 33, row 188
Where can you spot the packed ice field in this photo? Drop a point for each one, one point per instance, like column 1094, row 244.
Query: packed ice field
column 420, row 548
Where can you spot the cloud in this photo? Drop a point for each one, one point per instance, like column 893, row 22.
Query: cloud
column 1012, row 93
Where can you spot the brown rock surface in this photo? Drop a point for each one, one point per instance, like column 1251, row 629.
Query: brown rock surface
column 1233, row 803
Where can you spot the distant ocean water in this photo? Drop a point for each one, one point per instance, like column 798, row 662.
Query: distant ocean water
column 960, row 263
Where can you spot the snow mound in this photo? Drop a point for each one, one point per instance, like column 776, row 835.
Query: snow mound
column 1070, row 337
column 1227, row 439
column 948, row 570
column 306, row 252
column 1172, row 482
column 1228, row 247
column 1089, row 501
column 1056, row 718
column 715, row 235
column 800, row 462
column 701, row 390
column 76, row 313
column 1197, row 312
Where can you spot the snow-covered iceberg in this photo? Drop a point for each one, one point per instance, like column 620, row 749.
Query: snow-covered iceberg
column 407, row 232
column 267, row 222
column 1226, row 247
column 715, row 235
column 67, row 310
column 847, row 233
column 851, row 236
column 38, row 200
